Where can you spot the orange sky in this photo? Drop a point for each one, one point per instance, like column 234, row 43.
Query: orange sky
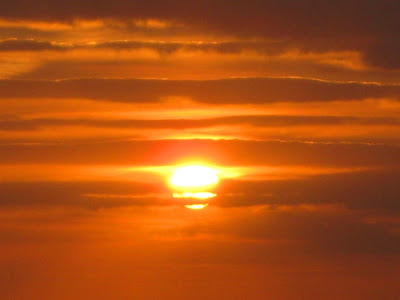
column 294, row 104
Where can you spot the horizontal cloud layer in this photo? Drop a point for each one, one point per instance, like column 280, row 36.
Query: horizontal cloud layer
column 262, row 18
column 224, row 91
column 162, row 47
column 253, row 120
column 223, row 152
column 354, row 190
column 372, row 33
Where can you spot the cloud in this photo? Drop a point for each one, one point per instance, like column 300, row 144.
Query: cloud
column 223, row 152
column 224, row 91
column 321, row 128
column 162, row 47
column 330, row 26
column 90, row 195
column 325, row 214
column 384, row 54
column 265, row 264
column 28, row 45
column 253, row 120
column 314, row 229
column 366, row 190
column 262, row 18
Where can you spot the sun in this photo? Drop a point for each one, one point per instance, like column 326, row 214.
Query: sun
column 193, row 184
column 194, row 176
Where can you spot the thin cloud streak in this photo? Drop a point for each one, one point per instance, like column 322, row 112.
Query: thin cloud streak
column 253, row 120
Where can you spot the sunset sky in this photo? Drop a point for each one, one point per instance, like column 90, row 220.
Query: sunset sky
column 291, row 109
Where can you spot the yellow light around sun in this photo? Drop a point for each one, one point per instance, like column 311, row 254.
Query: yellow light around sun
column 194, row 183
column 196, row 206
column 193, row 176
column 198, row 195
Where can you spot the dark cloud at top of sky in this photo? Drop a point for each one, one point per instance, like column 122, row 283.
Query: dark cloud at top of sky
column 310, row 17
column 385, row 53
column 355, row 24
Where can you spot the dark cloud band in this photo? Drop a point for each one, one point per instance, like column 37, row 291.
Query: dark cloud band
column 224, row 91
column 253, row 120
column 223, row 152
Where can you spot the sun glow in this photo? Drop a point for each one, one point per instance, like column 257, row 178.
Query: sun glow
column 193, row 177
column 194, row 182
column 196, row 206
column 199, row 195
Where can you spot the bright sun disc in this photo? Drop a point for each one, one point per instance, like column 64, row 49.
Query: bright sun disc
column 196, row 206
column 194, row 176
